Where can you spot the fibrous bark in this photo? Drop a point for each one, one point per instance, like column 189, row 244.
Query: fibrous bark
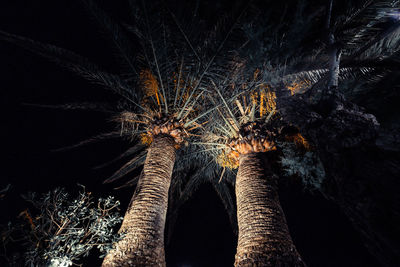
column 144, row 221
column 264, row 238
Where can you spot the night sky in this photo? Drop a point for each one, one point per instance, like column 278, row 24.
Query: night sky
column 202, row 235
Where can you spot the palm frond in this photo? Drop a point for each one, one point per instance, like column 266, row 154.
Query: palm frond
column 79, row 65
column 92, row 140
column 116, row 34
column 365, row 25
column 101, row 107
column 376, row 39
column 128, row 167
column 131, row 151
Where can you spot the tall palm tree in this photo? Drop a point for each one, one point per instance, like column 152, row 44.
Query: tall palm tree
column 246, row 134
column 161, row 88
column 144, row 221
column 258, row 112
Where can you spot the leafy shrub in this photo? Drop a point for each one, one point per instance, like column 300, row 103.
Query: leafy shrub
column 60, row 229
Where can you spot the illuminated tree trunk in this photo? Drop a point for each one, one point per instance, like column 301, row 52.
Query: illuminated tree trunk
column 144, row 221
column 264, row 238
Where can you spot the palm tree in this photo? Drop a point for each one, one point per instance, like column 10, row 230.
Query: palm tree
column 144, row 221
column 246, row 134
column 259, row 113
column 160, row 91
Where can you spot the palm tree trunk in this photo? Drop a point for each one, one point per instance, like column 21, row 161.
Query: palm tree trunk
column 144, row 221
column 264, row 238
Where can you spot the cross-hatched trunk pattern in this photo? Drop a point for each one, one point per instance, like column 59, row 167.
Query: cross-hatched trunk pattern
column 264, row 238
column 144, row 221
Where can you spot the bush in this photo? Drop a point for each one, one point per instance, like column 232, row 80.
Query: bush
column 60, row 230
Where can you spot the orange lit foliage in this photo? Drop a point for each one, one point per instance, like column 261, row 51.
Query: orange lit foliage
column 146, row 139
column 267, row 102
column 299, row 141
column 150, row 84
column 228, row 160
column 296, row 86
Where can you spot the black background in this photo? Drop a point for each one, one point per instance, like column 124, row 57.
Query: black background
column 202, row 235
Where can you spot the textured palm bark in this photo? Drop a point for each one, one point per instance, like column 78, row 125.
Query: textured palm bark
column 144, row 221
column 264, row 238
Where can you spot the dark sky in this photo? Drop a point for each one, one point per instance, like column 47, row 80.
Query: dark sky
column 202, row 236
